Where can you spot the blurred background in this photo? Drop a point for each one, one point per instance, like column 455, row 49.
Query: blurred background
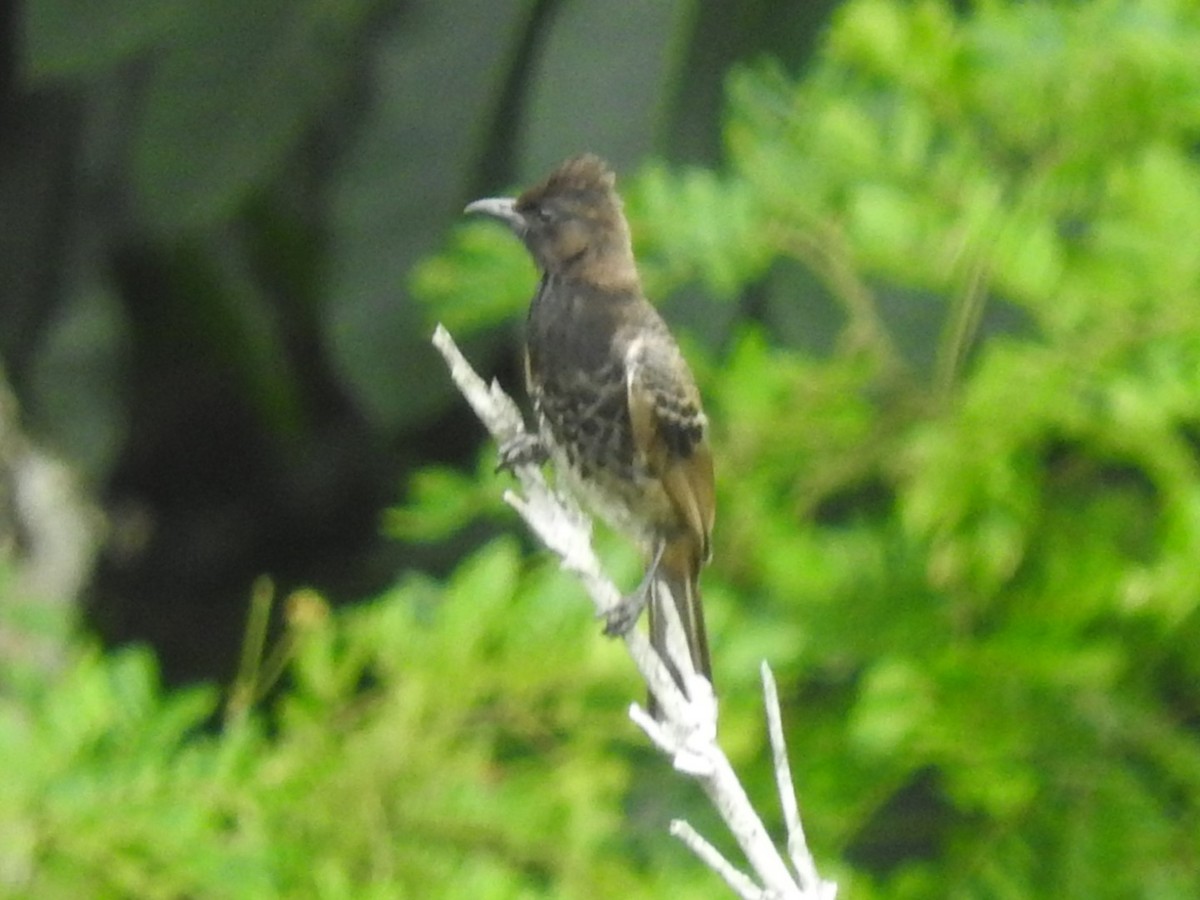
column 210, row 213
column 267, row 628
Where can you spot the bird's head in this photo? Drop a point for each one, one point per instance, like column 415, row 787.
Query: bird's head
column 571, row 223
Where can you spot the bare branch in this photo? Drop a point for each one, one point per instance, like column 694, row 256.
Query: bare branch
column 739, row 881
column 687, row 728
column 797, row 844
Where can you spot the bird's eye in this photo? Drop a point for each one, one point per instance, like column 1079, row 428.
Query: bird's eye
column 544, row 215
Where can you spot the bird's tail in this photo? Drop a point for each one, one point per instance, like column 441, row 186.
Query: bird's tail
column 681, row 577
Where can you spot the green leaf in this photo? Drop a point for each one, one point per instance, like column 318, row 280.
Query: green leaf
column 602, row 76
column 66, row 38
column 400, row 183
column 228, row 99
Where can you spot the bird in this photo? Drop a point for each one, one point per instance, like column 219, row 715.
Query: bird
column 618, row 411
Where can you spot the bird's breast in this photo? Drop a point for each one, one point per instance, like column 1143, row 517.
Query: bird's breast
column 577, row 342
column 597, row 464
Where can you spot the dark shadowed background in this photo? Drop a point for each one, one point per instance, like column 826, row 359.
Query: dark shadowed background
column 208, row 213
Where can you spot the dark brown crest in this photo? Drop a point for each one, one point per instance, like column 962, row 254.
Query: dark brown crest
column 583, row 176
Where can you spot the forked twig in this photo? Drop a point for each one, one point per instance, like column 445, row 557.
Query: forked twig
column 686, row 729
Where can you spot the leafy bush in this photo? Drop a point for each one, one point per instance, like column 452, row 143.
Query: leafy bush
column 966, row 524
column 959, row 513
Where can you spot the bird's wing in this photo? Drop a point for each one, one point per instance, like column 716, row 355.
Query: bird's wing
column 670, row 433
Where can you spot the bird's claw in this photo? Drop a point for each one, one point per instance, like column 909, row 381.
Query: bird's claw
column 523, row 449
column 620, row 618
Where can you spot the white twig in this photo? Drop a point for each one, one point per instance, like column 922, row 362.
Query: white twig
column 797, row 845
column 737, row 880
column 686, row 729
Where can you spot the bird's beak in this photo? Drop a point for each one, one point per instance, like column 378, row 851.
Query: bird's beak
column 502, row 208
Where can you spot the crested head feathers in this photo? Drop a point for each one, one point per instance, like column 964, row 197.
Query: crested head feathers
column 583, row 176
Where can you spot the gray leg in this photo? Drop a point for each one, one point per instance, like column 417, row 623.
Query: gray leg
column 623, row 616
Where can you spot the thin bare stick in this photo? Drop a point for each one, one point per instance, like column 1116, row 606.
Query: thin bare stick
column 738, row 881
column 797, row 844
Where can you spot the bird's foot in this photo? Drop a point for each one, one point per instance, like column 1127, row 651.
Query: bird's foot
column 524, row 449
column 619, row 619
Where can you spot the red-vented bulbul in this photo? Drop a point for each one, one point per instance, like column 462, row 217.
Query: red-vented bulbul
column 617, row 408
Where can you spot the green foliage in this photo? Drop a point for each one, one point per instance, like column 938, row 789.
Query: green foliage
column 419, row 749
column 980, row 577
column 105, row 797
column 976, row 581
column 478, row 287
column 235, row 86
column 444, row 735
